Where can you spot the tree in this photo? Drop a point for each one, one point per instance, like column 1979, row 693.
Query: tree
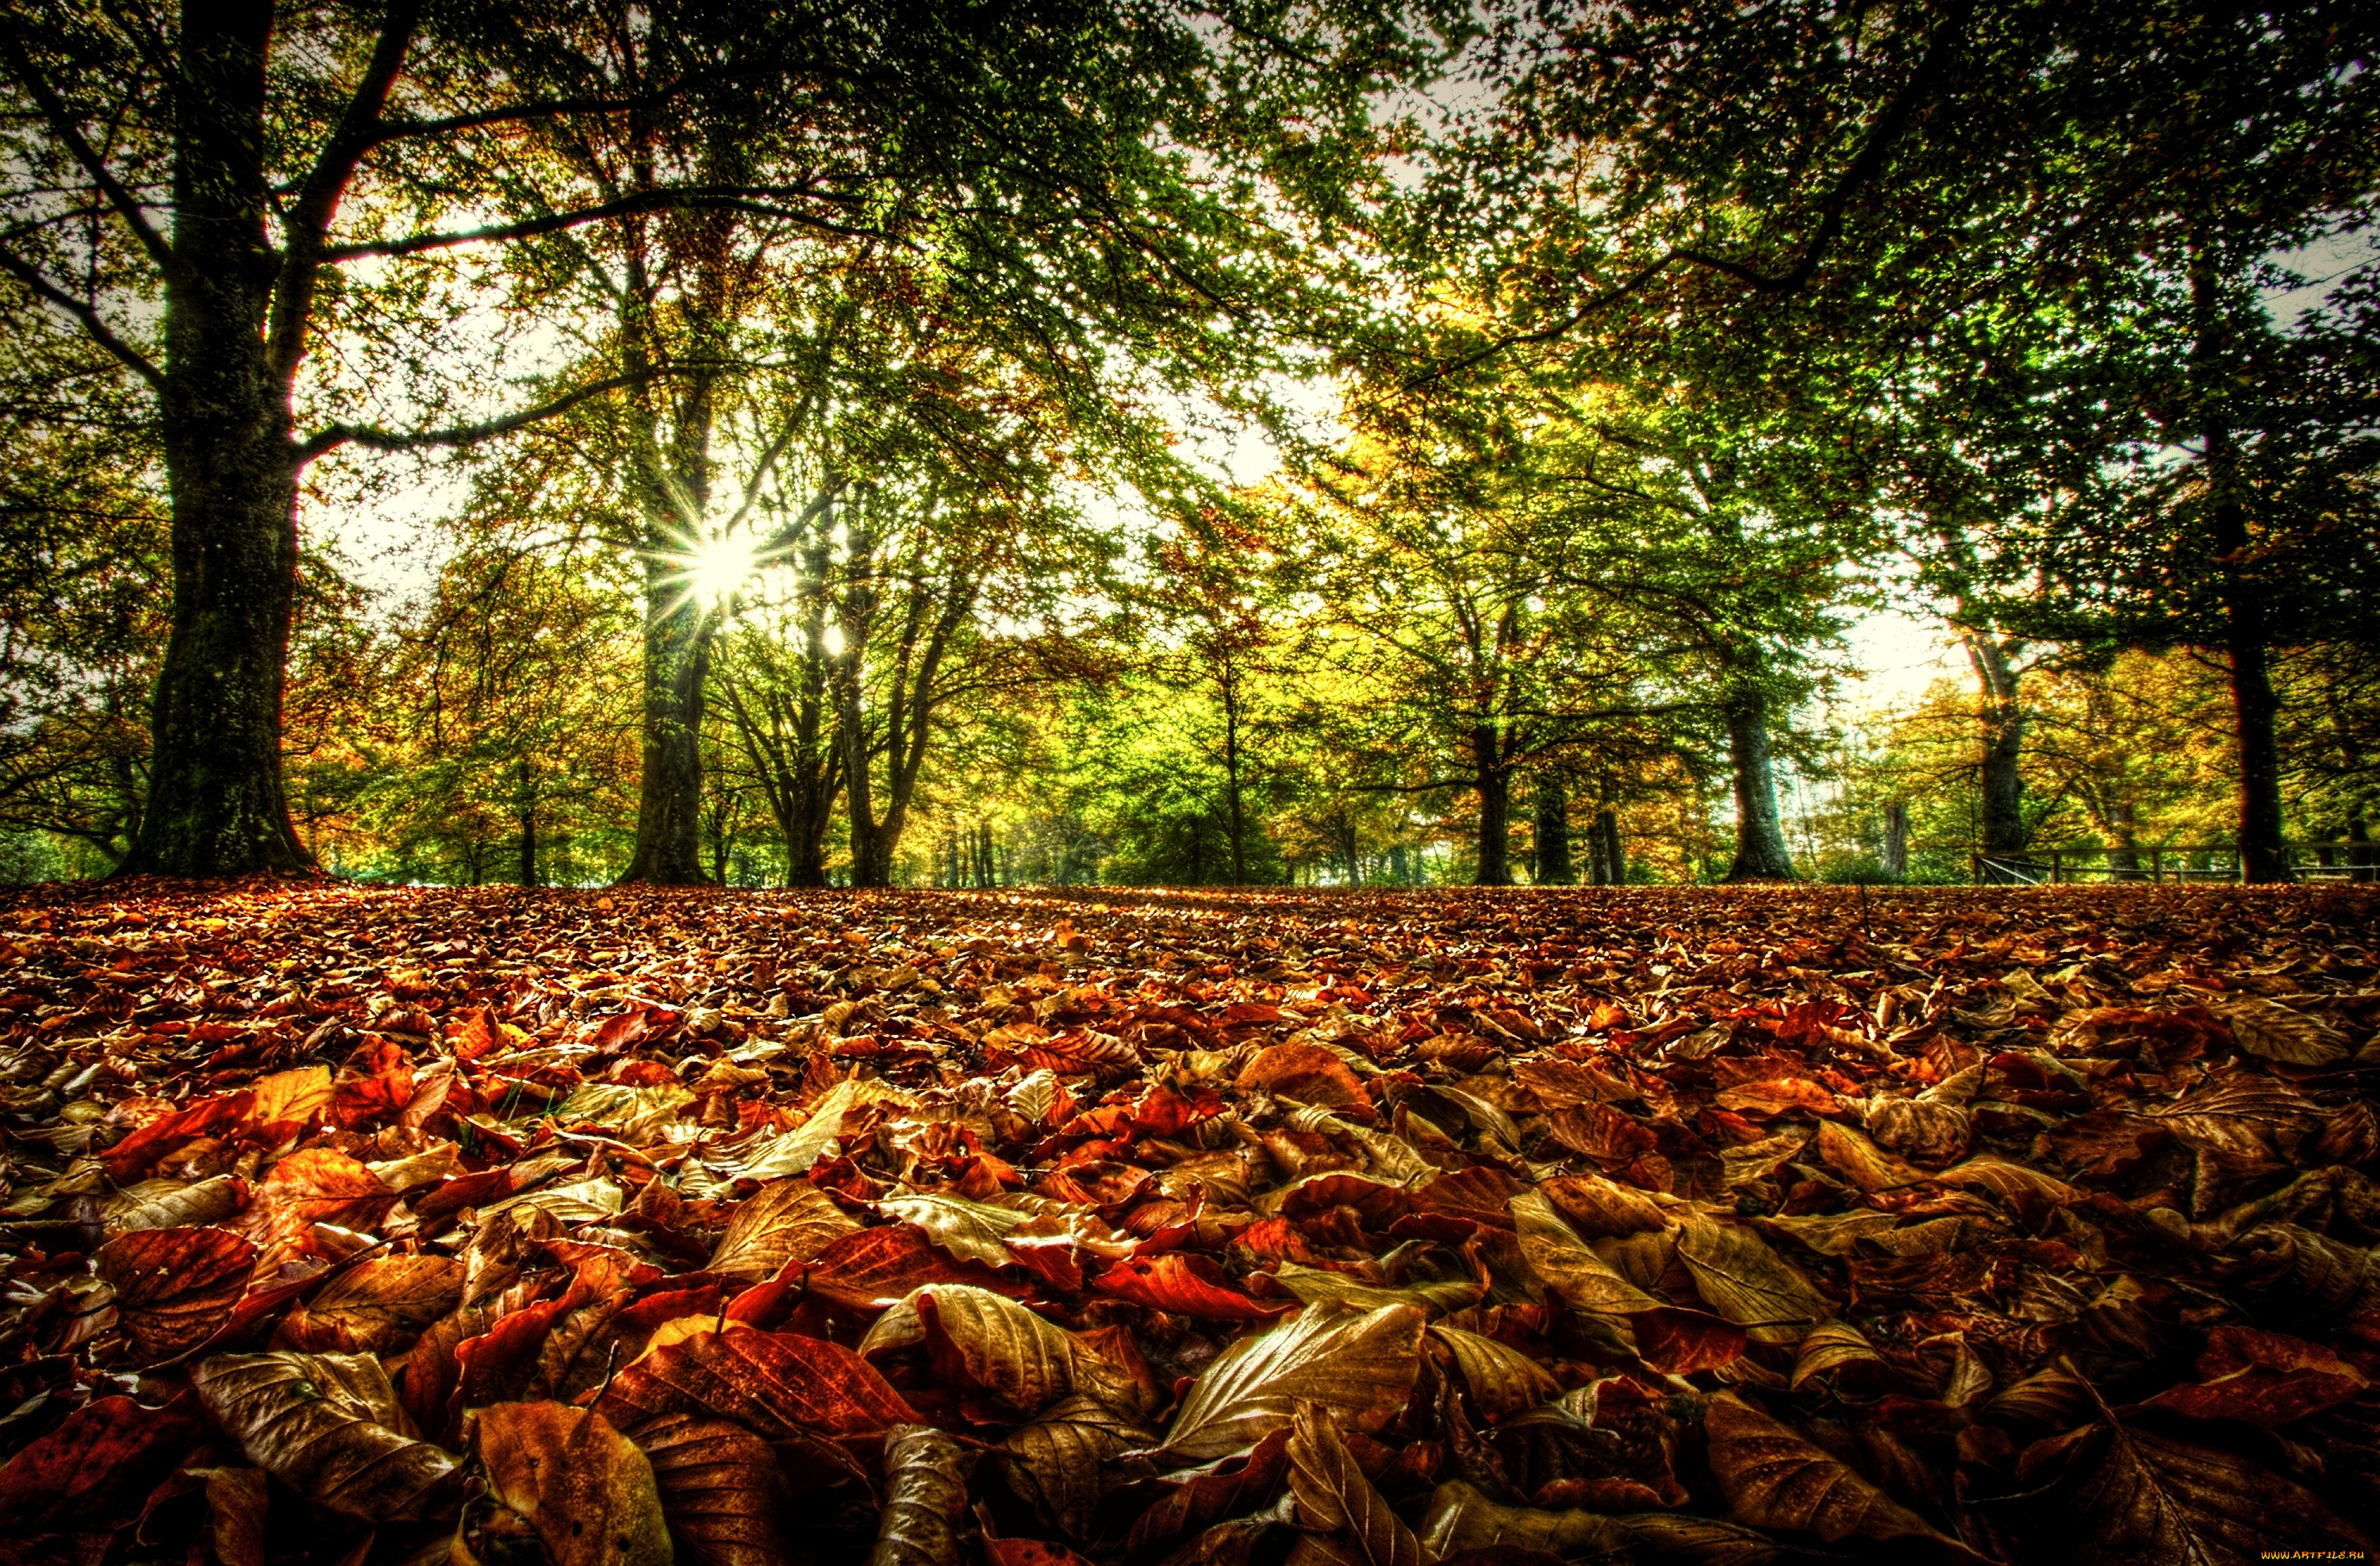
column 500, row 719
column 79, row 634
column 211, row 163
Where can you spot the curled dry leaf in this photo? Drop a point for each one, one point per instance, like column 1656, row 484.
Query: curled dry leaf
column 1829, row 1347
column 785, row 1220
column 2122, row 1494
column 174, row 1287
column 2274, row 1031
column 1921, row 1130
column 992, row 1345
column 1053, row 1464
column 968, row 1231
column 924, row 1496
column 722, row 1491
column 377, row 1304
column 1742, row 1279
column 1571, row 1272
column 240, row 1504
column 585, row 1488
column 1460, row 1520
column 1162, row 1511
column 1334, row 1497
column 777, row 1384
column 2263, row 1379
column 1502, row 1380
column 1186, row 1285
column 326, row 1424
column 1775, row 1477
column 98, row 1465
column 876, row 1269
column 175, row 1204
column 1352, row 1362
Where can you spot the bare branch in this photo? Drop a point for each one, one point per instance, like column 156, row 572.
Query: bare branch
column 759, row 200
column 1882, row 136
column 317, row 199
column 93, row 326
column 377, row 439
column 425, row 129
column 62, row 125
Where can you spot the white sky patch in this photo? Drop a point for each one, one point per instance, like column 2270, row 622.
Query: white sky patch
column 1900, row 655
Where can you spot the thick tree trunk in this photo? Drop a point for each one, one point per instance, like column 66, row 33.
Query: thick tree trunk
column 2124, row 854
column 216, row 804
column 669, row 805
column 1495, row 784
column 1895, row 839
column 2000, row 717
column 1615, row 857
column 524, row 810
column 1551, row 832
column 1760, row 851
column 1238, row 811
column 2255, row 705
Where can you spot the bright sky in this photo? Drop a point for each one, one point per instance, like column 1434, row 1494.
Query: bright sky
column 390, row 543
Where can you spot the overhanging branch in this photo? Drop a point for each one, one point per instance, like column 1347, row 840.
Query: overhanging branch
column 377, row 439
column 93, row 326
column 759, row 200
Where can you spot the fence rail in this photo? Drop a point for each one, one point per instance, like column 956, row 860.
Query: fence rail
column 2181, row 863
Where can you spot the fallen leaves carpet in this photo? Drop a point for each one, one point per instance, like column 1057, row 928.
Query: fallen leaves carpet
column 1476, row 1228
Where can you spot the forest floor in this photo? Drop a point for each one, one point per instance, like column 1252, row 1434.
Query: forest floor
column 367, row 1225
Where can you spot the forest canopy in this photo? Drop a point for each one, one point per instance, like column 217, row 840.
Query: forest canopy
column 1058, row 441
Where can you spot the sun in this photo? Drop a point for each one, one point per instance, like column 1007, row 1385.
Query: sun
column 715, row 569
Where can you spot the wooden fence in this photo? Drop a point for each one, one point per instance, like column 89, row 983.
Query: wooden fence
column 2186, row 863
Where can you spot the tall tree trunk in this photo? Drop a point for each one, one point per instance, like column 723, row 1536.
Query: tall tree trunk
column 2000, row 717
column 216, row 804
column 1598, row 857
column 1895, row 839
column 1551, row 833
column 525, row 807
column 675, row 473
column 1494, row 781
column 2124, row 855
column 1760, row 851
column 1239, row 820
column 669, row 803
column 2255, row 705
column 2362, row 863
column 1615, row 857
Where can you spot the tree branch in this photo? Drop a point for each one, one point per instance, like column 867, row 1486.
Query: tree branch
column 63, row 125
column 93, row 327
column 317, row 199
column 1940, row 49
column 412, row 129
column 759, row 200
column 376, row 439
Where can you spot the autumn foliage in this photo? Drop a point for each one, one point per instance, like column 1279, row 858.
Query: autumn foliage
column 1188, row 1230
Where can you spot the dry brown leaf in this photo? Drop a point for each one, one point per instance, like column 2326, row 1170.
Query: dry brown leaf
column 327, row 1425
column 785, row 1221
column 1353, row 1362
column 1775, row 1477
column 721, row 1491
column 585, row 1487
column 924, row 1497
column 373, row 1304
column 1333, row 1496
